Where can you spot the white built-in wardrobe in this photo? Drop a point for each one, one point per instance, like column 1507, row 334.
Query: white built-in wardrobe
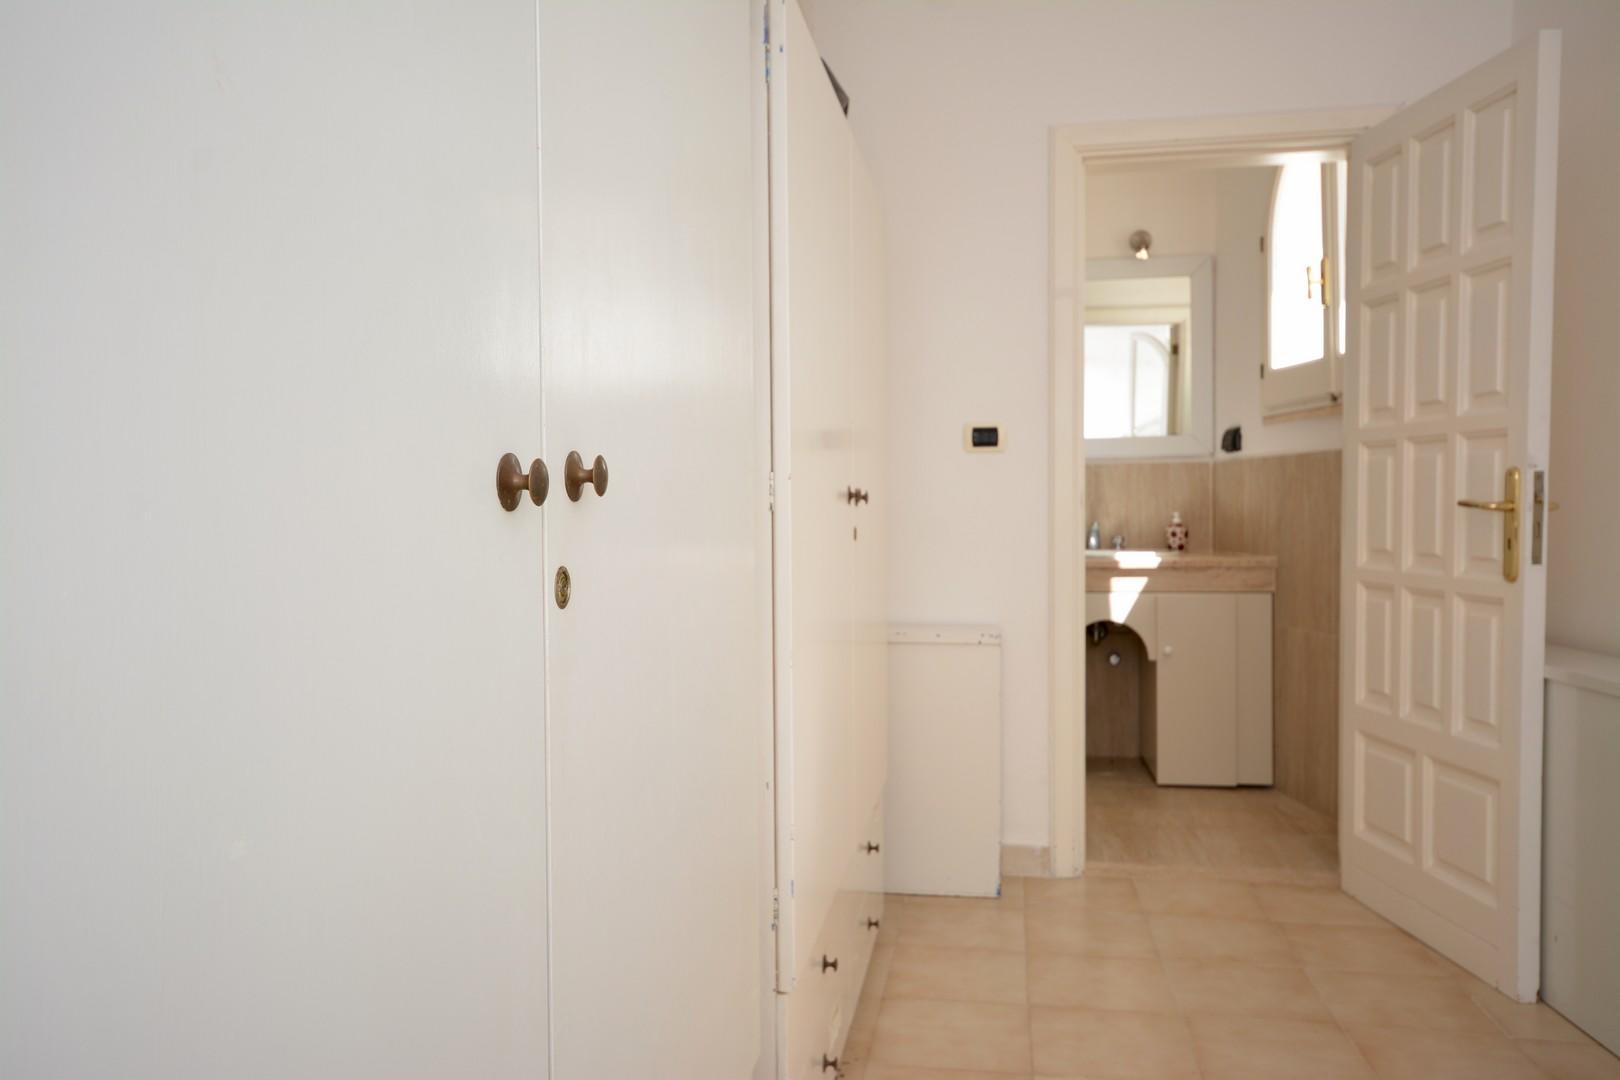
column 828, row 464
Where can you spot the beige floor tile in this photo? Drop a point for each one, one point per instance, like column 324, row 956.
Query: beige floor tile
column 1411, row 1054
column 945, row 974
column 879, row 1071
column 1083, row 930
column 1222, row 987
column 1244, row 848
column 1193, row 937
column 1110, row 1045
column 1123, row 983
column 1363, row 948
column 1013, row 889
column 1523, row 1021
column 1373, row 999
column 953, row 1035
column 1193, row 896
column 877, row 973
column 1260, row 1048
column 962, row 924
column 894, row 915
column 1308, row 853
column 1572, row 1061
column 1089, row 891
column 1313, row 907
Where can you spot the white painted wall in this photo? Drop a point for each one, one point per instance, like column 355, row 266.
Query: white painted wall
column 1583, row 574
column 952, row 104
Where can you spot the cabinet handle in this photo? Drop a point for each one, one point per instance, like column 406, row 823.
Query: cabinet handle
column 829, row 964
column 873, row 924
column 1168, row 650
column 872, row 849
column 857, row 495
column 576, row 476
column 511, row 481
column 830, row 1063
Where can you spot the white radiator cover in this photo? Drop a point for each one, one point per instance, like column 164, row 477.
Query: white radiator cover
column 943, row 801
column 1580, row 884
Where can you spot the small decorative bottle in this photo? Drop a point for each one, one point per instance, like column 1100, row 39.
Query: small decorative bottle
column 1175, row 534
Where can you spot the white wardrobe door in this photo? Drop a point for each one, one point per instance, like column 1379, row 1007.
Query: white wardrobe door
column 654, row 681
column 272, row 784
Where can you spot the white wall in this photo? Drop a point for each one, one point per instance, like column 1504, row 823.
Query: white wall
column 1583, row 573
column 952, row 104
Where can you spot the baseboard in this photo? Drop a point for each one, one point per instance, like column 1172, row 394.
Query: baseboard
column 1020, row 861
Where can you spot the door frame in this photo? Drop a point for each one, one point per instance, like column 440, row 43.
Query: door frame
column 1206, row 141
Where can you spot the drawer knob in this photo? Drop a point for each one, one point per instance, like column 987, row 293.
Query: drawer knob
column 873, row 924
column 1168, row 650
column 872, row 849
column 830, row 1063
column 829, row 964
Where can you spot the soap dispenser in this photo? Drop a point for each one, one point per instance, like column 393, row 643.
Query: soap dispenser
column 1175, row 534
column 1094, row 537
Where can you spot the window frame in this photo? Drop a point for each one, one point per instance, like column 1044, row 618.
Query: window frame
column 1317, row 383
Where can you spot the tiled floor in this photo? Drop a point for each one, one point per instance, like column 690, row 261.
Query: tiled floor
column 1257, row 834
column 1118, row 975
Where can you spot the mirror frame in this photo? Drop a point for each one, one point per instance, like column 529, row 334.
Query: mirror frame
column 1200, row 440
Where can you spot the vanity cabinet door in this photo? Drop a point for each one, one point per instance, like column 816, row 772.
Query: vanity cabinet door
column 1197, row 689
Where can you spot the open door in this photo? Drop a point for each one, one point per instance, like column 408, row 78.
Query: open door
column 1446, row 417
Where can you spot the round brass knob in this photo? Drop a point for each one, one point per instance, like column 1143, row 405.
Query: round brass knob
column 576, row 475
column 511, row 481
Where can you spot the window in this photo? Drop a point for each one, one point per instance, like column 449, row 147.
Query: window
column 1305, row 321
column 1129, row 370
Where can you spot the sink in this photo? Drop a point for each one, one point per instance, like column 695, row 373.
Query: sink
column 1179, row 571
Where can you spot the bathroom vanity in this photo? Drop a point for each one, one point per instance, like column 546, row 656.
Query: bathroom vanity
column 1204, row 620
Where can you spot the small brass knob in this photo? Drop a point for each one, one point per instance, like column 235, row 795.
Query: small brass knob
column 511, row 481
column 576, row 475
column 872, row 848
column 829, row 963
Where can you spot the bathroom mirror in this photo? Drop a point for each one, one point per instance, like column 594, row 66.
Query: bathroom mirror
column 1149, row 357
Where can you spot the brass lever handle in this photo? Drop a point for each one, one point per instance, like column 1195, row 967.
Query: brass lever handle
column 511, row 481
column 1509, row 507
column 576, row 475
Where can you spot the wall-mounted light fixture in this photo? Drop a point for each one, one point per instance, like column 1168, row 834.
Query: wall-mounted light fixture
column 1141, row 240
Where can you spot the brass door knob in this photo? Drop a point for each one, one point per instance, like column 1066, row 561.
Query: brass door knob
column 511, row 481
column 576, row 475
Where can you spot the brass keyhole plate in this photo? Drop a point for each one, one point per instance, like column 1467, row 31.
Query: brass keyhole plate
column 564, row 587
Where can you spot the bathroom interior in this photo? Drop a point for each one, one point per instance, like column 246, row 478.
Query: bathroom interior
column 1212, row 499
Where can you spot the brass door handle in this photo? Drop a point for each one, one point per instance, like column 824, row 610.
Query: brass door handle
column 576, row 475
column 1509, row 508
column 511, row 481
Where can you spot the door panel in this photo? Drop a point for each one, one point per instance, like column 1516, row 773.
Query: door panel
column 272, row 775
column 1197, row 739
column 1450, row 292
column 812, row 387
column 655, row 729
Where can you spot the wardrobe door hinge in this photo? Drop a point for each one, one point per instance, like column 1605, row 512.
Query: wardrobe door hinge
column 770, row 490
column 776, row 910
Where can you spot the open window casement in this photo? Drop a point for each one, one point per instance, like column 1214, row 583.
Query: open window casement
column 1304, row 289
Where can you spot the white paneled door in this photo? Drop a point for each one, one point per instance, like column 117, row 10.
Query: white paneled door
column 272, row 772
column 654, row 677
column 1450, row 294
